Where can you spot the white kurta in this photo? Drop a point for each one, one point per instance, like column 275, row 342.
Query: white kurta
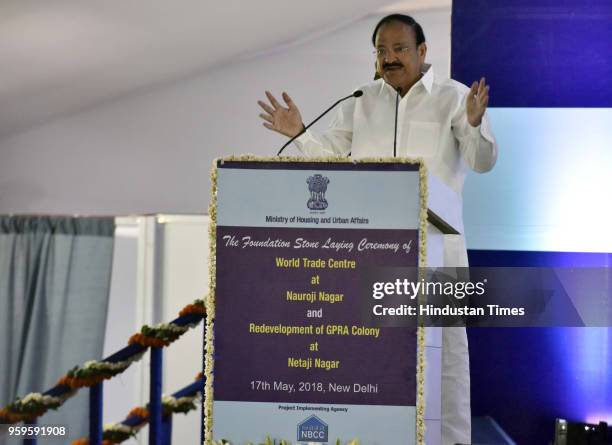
column 432, row 124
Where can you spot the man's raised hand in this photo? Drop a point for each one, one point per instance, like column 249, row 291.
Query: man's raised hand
column 284, row 120
column 477, row 101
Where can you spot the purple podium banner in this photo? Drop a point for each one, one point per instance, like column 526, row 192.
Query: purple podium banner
column 288, row 323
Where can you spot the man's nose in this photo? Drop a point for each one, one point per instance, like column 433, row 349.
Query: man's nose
column 390, row 57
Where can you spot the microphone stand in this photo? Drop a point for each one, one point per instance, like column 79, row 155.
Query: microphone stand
column 397, row 90
column 357, row 93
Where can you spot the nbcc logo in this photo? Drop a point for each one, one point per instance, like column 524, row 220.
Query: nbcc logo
column 312, row 429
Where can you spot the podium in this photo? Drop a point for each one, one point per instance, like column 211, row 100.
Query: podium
column 444, row 217
column 288, row 354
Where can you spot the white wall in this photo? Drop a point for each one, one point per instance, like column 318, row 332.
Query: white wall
column 152, row 153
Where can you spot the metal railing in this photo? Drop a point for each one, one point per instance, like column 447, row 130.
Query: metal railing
column 93, row 374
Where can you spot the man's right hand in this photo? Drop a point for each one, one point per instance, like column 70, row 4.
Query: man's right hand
column 287, row 121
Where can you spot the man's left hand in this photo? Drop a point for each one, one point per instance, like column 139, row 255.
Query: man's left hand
column 477, row 101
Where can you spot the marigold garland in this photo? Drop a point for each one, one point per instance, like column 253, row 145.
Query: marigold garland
column 7, row 417
column 119, row 432
column 173, row 405
column 116, row 433
column 83, row 441
column 197, row 307
column 112, row 434
column 30, row 407
column 143, row 340
column 139, row 411
column 164, row 334
column 158, row 336
column 94, row 372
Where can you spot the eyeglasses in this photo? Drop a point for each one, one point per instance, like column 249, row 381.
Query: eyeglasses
column 383, row 52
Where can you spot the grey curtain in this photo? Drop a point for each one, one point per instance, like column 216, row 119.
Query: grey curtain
column 54, row 287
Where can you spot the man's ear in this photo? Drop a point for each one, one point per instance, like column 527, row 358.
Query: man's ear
column 422, row 50
column 376, row 72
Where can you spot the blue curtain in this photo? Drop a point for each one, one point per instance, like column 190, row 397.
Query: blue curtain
column 54, row 287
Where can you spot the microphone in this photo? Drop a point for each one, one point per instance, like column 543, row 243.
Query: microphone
column 357, row 93
column 398, row 90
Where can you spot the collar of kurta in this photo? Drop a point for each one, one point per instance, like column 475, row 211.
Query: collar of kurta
column 426, row 79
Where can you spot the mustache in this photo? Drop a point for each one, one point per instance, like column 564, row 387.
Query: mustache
column 392, row 65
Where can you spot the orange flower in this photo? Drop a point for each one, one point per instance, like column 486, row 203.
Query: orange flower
column 81, row 382
column 7, row 416
column 193, row 309
column 139, row 411
column 143, row 340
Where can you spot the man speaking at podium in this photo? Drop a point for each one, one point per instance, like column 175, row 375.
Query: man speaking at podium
column 409, row 112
